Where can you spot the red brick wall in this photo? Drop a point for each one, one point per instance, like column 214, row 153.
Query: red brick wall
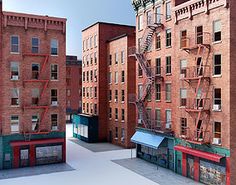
column 25, row 34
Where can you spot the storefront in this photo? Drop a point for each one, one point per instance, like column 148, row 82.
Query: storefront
column 205, row 167
column 154, row 148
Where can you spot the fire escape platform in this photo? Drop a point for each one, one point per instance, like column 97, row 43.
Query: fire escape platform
column 188, row 49
column 196, row 110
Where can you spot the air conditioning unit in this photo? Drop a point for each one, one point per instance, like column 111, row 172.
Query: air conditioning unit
column 139, row 121
column 14, row 77
column 54, row 127
column 216, row 141
column 115, row 100
column 54, row 103
column 216, row 107
column 95, row 79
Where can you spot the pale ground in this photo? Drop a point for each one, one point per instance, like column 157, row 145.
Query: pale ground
column 97, row 168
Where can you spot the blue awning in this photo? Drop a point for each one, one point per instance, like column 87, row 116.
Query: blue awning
column 147, row 139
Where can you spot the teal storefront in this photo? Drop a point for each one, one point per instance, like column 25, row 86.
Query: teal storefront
column 155, row 148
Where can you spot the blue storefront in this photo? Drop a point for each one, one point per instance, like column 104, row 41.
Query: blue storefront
column 155, row 148
column 85, row 127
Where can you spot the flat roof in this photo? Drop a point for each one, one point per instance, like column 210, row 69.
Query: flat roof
column 107, row 23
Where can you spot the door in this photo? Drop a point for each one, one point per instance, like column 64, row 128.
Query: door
column 110, row 136
column 190, row 167
column 24, row 157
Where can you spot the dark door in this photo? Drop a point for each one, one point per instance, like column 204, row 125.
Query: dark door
column 110, row 136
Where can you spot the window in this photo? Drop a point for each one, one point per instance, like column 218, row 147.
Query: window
column 54, row 47
column 122, row 134
column 149, row 115
column 83, row 76
column 91, row 108
column 68, row 103
column 91, row 75
column 199, row 35
column 149, row 17
column 35, row 122
column 54, row 72
column 158, row 40
column 87, row 76
column 116, row 114
column 54, row 97
column 110, row 95
column 217, row 64
column 183, row 97
column 140, row 71
column 183, row 68
column 91, row 92
column 116, row 95
column 87, row 44
column 122, row 57
column 110, row 78
column 168, row 65
column 35, row 45
column 87, row 108
column 116, row 77
column 140, row 22
column 110, row 113
column 158, row 92
column 83, row 107
column 95, row 92
column 122, row 95
column 183, row 126
column 217, row 30
column 87, row 90
column 87, row 59
column 168, row 10
column 68, row 92
column 35, row 71
column 140, row 91
column 123, row 76
column 168, row 119
column 184, row 40
column 116, row 137
column 95, row 40
column 217, row 99
column 95, row 109
column 15, row 44
column 91, row 42
column 158, row 117
column 95, row 58
column 110, row 59
column 123, row 114
column 116, row 58
column 95, row 75
column 158, row 14
column 158, row 66
column 217, row 131
column 83, row 45
column 168, row 38
column 54, row 122
column 15, row 124
column 168, row 92
column 35, row 96
column 91, row 59
column 14, row 70
column 15, row 97
column 83, row 91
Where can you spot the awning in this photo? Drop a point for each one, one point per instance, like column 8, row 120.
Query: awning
column 147, row 139
column 198, row 153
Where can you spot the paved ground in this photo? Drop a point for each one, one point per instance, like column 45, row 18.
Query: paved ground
column 150, row 171
column 96, row 147
column 95, row 168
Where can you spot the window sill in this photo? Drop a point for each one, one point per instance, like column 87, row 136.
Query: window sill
column 116, row 120
column 168, row 74
column 122, row 102
column 54, row 55
column 182, row 107
column 168, row 19
column 158, row 49
column 140, row 30
column 15, row 80
column 141, row 76
column 168, row 101
column 15, row 106
column 216, row 110
column 168, row 47
column 158, row 101
column 15, row 53
column 217, row 42
column 122, row 121
column 54, row 80
column 217, row 76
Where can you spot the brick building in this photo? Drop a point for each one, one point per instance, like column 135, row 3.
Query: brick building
column 73, row 87
column 33, row 73
column 186, row 97
column 107, row 73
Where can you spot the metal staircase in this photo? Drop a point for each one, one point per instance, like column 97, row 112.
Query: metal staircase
column 150, row 76
column 198, row 78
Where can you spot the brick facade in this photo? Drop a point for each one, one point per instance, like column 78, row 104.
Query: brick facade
column 26, row 27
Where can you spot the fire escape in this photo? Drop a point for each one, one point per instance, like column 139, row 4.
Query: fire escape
column 150, row 75
column 37, row 78
column 198, row 80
